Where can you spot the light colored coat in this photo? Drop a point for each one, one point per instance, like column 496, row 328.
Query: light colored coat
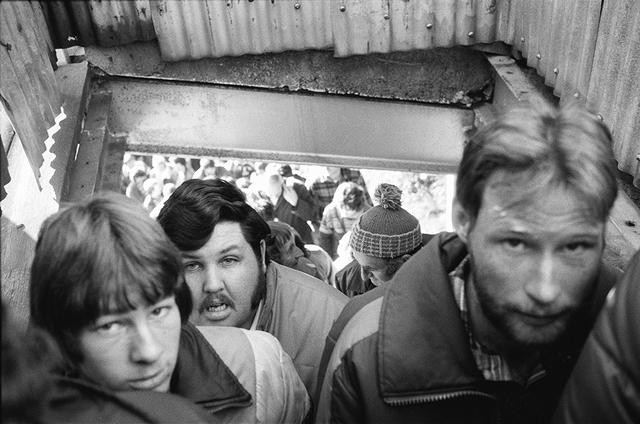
column 299, row 311
column 265, row 371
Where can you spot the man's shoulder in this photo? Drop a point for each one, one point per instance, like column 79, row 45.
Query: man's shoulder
column 291, row 282
column 356, row 304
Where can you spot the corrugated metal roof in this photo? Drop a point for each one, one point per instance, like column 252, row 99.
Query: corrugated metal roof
column 382, row 26
column 214, row 28
column 30, row 93
column 614, row 89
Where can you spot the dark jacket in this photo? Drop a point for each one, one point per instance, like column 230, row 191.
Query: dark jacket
column 78, row 401
column 349, row 280
column 605, row 384
column 297, row 216
column 403, row 354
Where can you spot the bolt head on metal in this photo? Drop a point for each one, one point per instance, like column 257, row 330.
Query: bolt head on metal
column 576, row 94
column 539, row 56
column 296, row 6
column 387, row 17
column 343, row 8
column 600, row 117
column 556, row 71
column 470, row 34
column 522, row 40
column 429, row 26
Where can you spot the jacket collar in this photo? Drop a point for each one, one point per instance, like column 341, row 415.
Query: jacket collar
column 201, row 376
column 271, row 281
column 419, row 311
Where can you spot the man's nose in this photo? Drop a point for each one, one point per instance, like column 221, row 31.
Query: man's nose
column 544, row 288
column 145, row 347
column 213, row 281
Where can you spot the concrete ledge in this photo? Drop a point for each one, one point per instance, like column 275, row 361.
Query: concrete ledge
column 514, row 84
column 454, row 76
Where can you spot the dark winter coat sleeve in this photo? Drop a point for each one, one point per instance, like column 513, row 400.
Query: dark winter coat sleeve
column 605, row 384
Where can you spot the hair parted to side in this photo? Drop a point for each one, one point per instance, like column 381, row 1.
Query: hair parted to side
column 191, row 213
column 569, row 143
column 104, row 255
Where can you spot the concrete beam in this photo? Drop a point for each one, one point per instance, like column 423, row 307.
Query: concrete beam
column 204, row 119
column 457, row 75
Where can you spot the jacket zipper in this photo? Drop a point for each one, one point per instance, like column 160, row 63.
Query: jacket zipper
column 413, row 400
column 437, row 397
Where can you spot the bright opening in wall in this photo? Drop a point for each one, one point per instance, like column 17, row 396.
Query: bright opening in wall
column 426, row 196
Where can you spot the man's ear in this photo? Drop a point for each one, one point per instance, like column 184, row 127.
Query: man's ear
column 461, row 221
column 263, row 249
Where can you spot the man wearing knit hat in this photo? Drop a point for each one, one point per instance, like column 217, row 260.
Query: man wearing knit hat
column 381, row 240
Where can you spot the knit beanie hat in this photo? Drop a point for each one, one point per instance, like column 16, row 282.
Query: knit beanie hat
column 386, row 230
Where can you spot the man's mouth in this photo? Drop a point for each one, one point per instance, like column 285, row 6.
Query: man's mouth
column 149, row 382
column 540, row 320
column 216, row 308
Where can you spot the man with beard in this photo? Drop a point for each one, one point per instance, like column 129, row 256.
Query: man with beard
column 233, row 283
column 484, row 325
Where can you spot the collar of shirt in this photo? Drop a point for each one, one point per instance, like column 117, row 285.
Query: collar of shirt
column 254, row 323
column 492, row 366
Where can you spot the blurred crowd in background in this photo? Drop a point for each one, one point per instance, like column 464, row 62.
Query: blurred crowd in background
column 311, row 208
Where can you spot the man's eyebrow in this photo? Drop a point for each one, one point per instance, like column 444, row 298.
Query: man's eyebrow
column 193, row 255
column 229, row 249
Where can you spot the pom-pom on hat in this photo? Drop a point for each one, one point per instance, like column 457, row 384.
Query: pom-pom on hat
column 386, row 230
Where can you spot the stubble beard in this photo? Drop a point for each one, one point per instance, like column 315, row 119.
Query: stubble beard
column 504, row 318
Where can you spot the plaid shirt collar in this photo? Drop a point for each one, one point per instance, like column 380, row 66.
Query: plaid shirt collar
column 492, row 366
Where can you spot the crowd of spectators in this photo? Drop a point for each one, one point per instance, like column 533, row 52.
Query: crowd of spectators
column 316, row 207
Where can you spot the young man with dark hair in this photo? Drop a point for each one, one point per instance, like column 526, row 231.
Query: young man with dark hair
column 222, row 240
column 109, row 286
column 484, row 324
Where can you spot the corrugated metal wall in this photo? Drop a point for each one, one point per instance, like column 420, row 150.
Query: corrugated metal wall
column 28, row 87
column 614, row 88
column 105, row 23
column 214, row 28
column 382, row 26
column 585, row 49
column 557, row 37
column 588, row 47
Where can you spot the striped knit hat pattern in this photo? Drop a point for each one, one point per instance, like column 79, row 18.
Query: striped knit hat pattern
column 386, row 230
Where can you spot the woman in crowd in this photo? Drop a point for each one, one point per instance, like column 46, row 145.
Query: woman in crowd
column 339, row 216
